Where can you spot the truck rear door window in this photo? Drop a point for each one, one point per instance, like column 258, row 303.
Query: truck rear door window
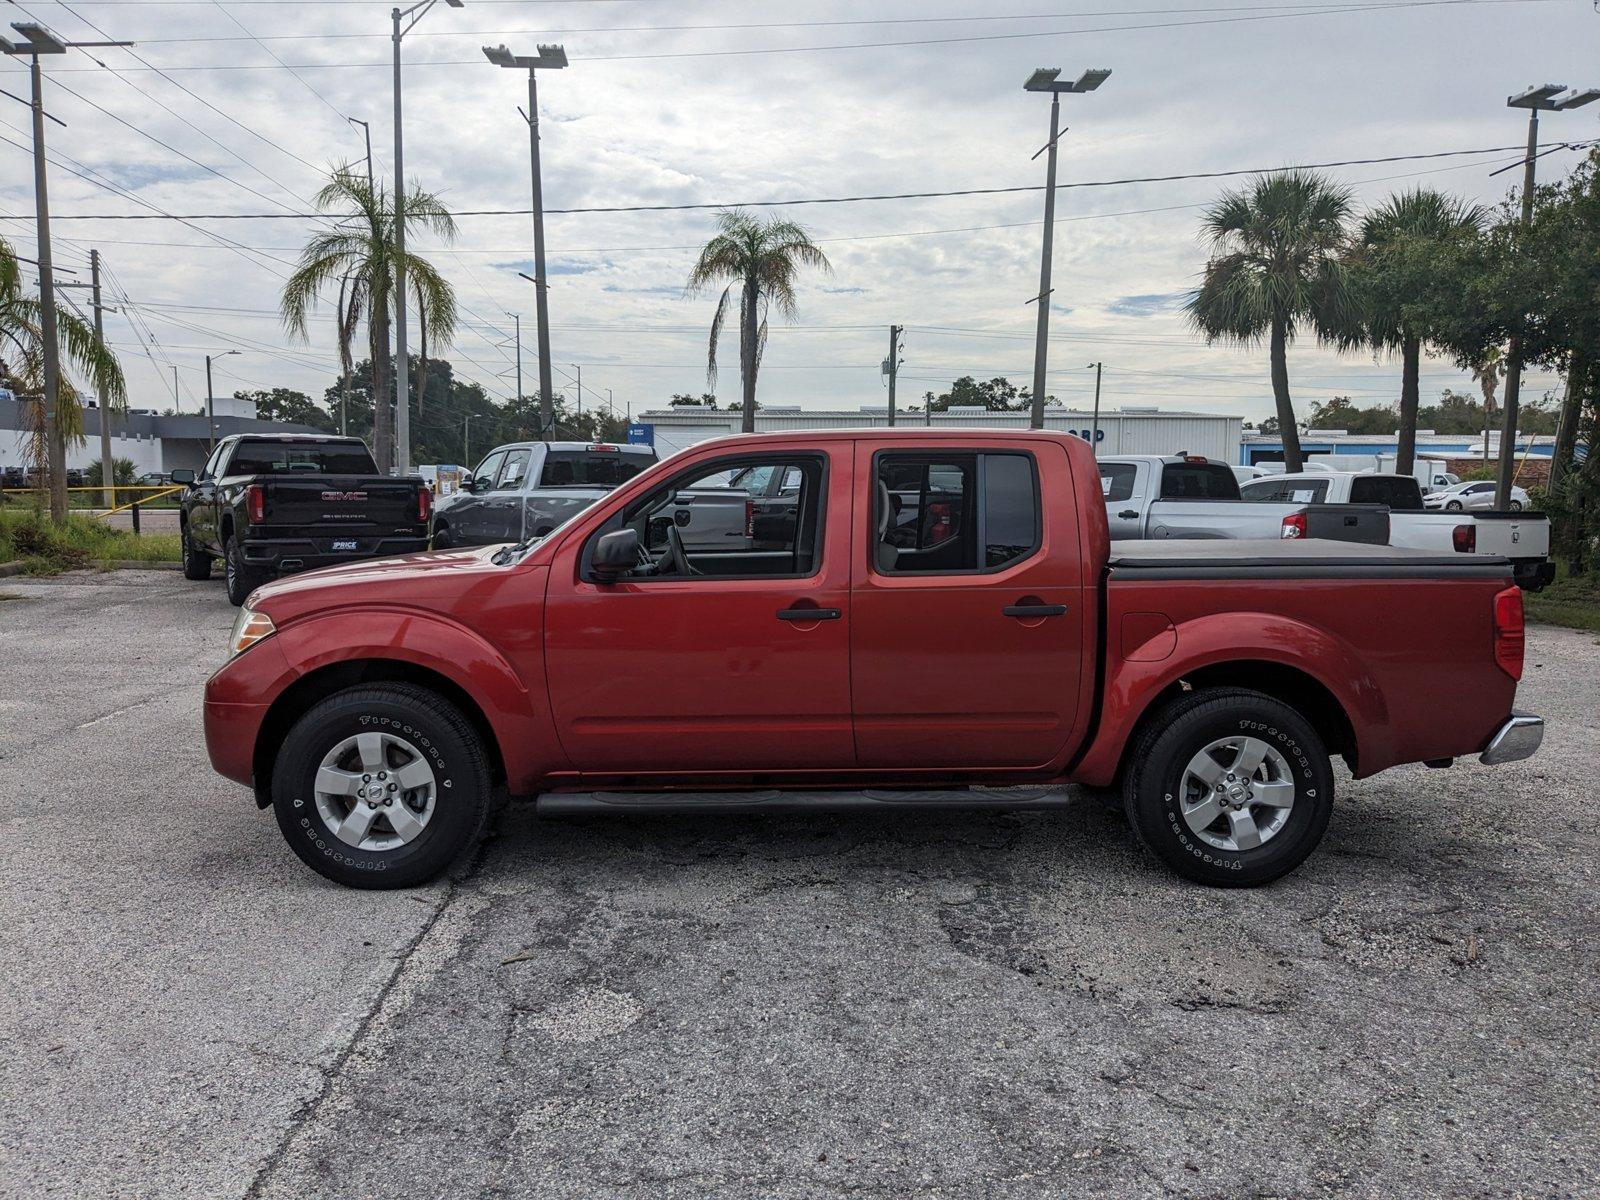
column 1117, row 479
column 1402, row 494
column 297, row 458
column 954, row 513
column 1198, row 481
column 590, row 468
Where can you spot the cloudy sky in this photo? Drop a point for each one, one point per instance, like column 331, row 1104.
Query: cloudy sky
column 239, row 106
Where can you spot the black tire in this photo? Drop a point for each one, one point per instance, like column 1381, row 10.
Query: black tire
column 241, row 577
column 1453, row 506
column 442, row 736
column 441, row 536
column 196, row 563
column 1154, row 786
column 1514, row 505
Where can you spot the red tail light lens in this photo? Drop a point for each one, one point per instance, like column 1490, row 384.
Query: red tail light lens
column 1509, row 635
column 1464, row 538
column 255, row 504
column 1294, row 526
column 750, row 518
column 424, row 503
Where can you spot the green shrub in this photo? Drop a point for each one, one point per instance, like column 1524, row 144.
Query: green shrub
column 29, row 537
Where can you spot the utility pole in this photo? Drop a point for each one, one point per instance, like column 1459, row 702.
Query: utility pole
column 1548, row 97
column 174, row 387
column 39, row 42
column 108, row 475
column 402, row 361
column 549, row 58
column 1044, row 80
column 891, row 366
column 466, row 446
column 1094, row 432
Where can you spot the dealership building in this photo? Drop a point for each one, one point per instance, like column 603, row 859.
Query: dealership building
column 1128, row 430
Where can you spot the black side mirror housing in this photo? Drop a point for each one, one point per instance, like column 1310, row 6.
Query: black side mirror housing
column 615, row 554
column 480, row 484
column 182, row 475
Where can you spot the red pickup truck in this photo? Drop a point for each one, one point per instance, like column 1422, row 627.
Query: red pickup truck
column 944, row 615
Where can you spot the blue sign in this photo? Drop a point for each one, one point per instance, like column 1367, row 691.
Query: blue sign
column 641, row 434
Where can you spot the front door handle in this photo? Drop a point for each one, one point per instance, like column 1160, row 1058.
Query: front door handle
column 1128, row 514
column 1034, row 610
column 809, row 614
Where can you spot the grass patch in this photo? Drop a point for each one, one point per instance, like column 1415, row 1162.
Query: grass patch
column 1573, row 601
column 45, row 548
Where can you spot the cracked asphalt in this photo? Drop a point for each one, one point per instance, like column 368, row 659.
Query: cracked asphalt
column 955, row 1004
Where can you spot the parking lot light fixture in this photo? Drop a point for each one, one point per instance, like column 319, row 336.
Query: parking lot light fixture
column 211, row 411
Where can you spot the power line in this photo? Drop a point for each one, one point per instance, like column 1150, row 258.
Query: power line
column 854, row 199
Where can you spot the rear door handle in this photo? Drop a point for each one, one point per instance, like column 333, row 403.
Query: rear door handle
column 1034, row 610
column 809, row 614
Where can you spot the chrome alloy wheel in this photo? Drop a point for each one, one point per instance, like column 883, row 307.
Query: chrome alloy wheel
column 1237, row 793
column 376, row 791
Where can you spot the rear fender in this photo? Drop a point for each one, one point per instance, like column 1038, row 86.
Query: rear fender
column 1132, row 687
column 517, row 715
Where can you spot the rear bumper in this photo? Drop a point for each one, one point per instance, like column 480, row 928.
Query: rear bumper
column 290, row 554
column 1519, row 738
column 1533, row 574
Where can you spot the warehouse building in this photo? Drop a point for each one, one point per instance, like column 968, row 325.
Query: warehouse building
column 1128, row 430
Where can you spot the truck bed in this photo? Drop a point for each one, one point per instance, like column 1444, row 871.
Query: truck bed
column 1208, row 558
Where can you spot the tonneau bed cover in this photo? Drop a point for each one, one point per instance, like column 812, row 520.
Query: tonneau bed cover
column 1289, row 559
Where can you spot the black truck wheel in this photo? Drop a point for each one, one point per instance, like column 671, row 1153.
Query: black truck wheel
column 381, row 786
column 1229, row 787
column 196, row 563
column 242, row 578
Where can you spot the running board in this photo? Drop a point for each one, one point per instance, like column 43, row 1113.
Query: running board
column 557, row 803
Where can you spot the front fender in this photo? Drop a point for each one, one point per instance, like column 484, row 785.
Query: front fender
column 1131, row 686
column 514, row 702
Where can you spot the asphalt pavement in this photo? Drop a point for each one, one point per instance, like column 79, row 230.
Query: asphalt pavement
column 954, row 1004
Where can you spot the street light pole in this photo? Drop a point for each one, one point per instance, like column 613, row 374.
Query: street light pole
column 402, row 366
column 38, row 42
column 1094, row 432
column 1548, row 97
column 1044, row 80
column 367, row 130
column 549, row 58
column 466, row 446
column 517, row 317
column 211, row 410
column 892, row 366
column 579, row 370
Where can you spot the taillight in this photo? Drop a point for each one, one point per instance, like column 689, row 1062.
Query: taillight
column 1294, row 526
column 424, row 503
column 1508, row 631
column 750, row 518
column 255, row 504
column 1464, row 538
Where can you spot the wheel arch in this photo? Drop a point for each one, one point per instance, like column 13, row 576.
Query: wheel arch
column 318, row 684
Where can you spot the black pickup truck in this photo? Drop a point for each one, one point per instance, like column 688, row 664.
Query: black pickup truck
column 269, row 505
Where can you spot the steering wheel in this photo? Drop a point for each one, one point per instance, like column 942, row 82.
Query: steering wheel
column 676, row 555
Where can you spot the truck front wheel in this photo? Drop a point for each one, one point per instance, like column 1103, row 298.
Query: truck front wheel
column 381, row 786
column 1229, row 787
column 196, row 562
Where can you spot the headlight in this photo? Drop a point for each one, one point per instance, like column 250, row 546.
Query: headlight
column 248, row 629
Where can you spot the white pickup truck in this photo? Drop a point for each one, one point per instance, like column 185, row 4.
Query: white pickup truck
column 1158, row 496
column 1523, row 537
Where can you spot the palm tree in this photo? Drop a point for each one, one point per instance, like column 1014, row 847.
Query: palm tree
column 1275, row 268
column 1395, row 270
column 359, row 252
column 22, row 370
column 762, row 258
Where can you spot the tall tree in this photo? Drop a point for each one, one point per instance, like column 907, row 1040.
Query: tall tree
column 22, row 369
column 1275, row 269
column 359, row 252
column 1397, row 265
column 762, row 258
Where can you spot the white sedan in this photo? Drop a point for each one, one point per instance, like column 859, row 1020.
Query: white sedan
column 1472, row 495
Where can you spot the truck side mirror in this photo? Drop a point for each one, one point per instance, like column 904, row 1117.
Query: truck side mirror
column 615, row 554
column 182, row 475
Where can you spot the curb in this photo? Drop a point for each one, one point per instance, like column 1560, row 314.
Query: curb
column 9, row 569
column 102, row 564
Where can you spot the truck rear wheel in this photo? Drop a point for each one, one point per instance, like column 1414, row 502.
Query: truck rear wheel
column 242, row 579
column 1229, row 787
column 381, row 786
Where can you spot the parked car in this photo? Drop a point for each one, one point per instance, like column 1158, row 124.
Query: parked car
column 379, row 708
column 1473, row 496
column 1186, row 496
column 1522, row 537
column 268, row 505
column 526, row 489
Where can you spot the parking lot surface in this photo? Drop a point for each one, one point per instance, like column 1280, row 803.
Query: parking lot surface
column 949, row 1004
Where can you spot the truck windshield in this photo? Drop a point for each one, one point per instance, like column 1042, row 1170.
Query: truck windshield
column 310, row 458
column 590, row 468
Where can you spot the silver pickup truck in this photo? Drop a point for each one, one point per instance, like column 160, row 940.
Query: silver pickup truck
column 526, row 489
column 1185, row 496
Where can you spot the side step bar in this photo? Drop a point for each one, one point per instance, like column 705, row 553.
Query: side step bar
column 557, row 803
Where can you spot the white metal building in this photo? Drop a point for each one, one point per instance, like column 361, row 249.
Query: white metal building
column 1128, row 430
